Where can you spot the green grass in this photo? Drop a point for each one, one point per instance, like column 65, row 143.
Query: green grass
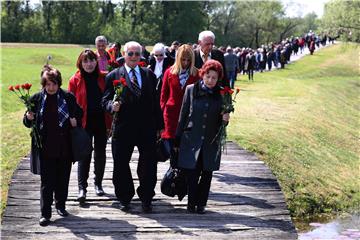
column 303, row 121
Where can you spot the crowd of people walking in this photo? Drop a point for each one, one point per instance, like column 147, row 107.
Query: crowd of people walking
column 172, row 92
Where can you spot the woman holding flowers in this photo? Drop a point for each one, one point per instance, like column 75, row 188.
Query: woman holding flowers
column 88, row 85
column 201, row 118
column 176, row 78
column 54, row 112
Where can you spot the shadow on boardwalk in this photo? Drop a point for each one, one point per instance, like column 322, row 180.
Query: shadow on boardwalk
column 245, row 202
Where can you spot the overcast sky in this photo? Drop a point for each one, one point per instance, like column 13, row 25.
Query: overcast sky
column 302, row 7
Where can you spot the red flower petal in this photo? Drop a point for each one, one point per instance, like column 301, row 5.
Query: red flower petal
column 17, row 87
column 11, row 88
column 123, row 81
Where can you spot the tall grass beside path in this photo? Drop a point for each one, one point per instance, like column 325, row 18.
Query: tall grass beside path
column 303, row 121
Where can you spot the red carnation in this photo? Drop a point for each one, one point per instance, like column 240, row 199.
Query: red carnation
column 231, row 91
column 222, row 92
column 142, row 64
column 26, row 86
column 116, row 82
column 17, row 87
column 11, row 88
column 237, row 90
column 123, row 81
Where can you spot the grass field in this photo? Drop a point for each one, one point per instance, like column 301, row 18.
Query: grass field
column 303, row 121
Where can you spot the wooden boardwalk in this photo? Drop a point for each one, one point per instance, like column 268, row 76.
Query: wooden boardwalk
column 245, row 202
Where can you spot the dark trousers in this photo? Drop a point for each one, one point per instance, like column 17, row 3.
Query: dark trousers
column 95, row 127
column 250, row 73
column 122, row 149
column 55, row 175
column 198, row 182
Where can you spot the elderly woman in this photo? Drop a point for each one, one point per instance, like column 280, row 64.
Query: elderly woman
column 88, row 85
column 200, row 119
column 55, row 112
column 159, row 62
column 175, row 80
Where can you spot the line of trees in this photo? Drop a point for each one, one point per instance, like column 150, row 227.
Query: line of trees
column 238, row 23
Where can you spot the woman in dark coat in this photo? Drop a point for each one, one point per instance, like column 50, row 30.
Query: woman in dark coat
column 199, row 122
column 88, row 85
column 55, row 112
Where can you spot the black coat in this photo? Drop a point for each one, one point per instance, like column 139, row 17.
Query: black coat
column 74, row 111
column 136, row 115
column 215, row 55
column 168, row 61
column 199, row 122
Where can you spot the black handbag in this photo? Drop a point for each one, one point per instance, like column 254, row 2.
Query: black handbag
column 81, row 144
column 162, row 150
column 174, row 183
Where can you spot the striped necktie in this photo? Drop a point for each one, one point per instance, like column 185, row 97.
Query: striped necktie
column 135, row 83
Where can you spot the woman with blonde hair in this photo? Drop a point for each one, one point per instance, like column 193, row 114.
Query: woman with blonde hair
column 175, row 80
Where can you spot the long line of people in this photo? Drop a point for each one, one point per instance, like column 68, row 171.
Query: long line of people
column 171, row 92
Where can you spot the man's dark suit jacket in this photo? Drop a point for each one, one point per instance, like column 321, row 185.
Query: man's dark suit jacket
column 216, row 55
column 136, row 114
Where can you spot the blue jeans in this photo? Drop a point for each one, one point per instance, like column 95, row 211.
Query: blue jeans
column 231, row 75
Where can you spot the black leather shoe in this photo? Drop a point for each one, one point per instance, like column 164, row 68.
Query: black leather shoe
column 82, row 196
column 190, row 209
column 44, row 221
column 200, row 209
column 125, row 207
column 99, row 190
column 62, row 212
column 146, row 207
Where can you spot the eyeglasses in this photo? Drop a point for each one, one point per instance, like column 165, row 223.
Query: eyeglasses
column 159, row 55
column 130, row 54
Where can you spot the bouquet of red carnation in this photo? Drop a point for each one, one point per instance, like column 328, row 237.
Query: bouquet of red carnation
column 119, row 88
column 226, row 107
column 23, row 92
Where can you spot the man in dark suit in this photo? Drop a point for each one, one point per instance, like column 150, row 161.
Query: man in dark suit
column 136, row 122
column 205, row 52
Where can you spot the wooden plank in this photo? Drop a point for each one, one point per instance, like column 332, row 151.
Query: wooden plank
column 245, row 202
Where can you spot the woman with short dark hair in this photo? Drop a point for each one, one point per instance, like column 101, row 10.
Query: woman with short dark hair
column 88, row 85
column 200, row 119
column 54, row 112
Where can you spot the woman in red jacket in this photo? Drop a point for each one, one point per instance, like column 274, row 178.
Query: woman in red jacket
column 88, row 85
column 175, row 80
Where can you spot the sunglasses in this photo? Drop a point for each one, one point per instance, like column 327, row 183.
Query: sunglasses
column 159, row 55
column 130, row 54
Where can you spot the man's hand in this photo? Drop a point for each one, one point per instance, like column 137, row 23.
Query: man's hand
column 116, row 106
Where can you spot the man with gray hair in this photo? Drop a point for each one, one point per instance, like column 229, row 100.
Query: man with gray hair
column 205, row 52
column 136, row 122
column 102, row 55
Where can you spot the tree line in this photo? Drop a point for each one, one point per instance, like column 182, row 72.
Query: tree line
column 235, row 23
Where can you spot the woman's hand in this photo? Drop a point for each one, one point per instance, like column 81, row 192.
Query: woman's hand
column 30, row 116
column 226, row 117
column 73, row 122
column 116, row 106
